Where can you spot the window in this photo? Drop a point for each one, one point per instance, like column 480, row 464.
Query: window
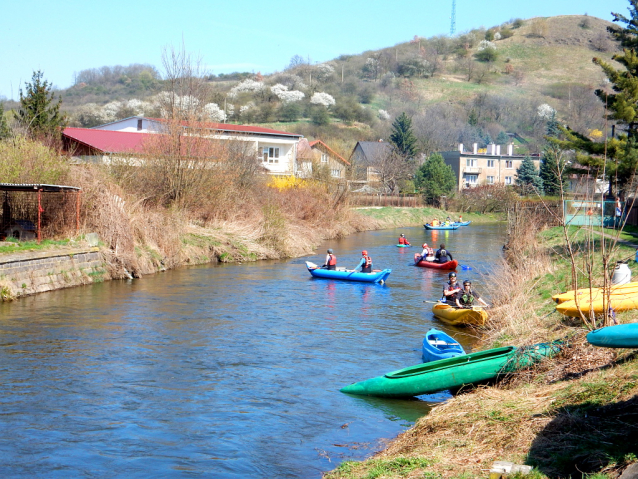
column 490, row 164
column 139, row 124
column 490, row 179
column 336, row 173
column 509, row 164
column 508, row 180
column 270, row 155
column 470, row 162
column 324, row 158
column 471, row 179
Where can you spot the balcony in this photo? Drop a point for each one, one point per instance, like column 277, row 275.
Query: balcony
column 472, row 170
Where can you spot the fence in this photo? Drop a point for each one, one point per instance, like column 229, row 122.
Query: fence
column 413, row 201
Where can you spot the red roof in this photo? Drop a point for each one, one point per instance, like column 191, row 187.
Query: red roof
column 108, row 141
column 319, row 142
column 233, row 128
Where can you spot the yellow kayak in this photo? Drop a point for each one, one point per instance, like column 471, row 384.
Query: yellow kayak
column 618, row 302
column 595, row 292
column 475, row 316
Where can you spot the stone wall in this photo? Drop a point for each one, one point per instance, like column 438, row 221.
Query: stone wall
column 27, row 273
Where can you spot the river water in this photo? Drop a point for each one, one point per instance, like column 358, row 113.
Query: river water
column 227, row 371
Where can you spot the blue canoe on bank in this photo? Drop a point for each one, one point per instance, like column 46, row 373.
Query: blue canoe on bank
column 464, row 223
column 374, row 277
column 428, row 226
column 621, row 336
column 438, row 345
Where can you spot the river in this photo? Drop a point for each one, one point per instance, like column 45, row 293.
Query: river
column 227, row 371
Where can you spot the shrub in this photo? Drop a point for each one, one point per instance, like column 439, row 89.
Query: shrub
column 506, row 33
column 518, row 23
column 27, row 161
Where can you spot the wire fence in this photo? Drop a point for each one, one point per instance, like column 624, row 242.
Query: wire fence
column 413, row 201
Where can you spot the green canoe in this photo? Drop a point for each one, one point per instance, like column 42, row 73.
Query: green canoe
column 452, row 373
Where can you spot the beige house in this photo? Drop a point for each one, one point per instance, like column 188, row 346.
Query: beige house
column 336, row 163
column 487, row 167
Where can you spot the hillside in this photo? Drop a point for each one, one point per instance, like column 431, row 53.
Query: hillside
column 454, row 91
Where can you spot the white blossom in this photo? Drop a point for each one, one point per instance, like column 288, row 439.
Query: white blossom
column 545, row 111
column 276, row 89
column 322, row 98
column 324, row 71
column 484, row 44
column 230, row 109
column 281, row 91
column 214, row 113
column 246, row 86
column 497, row 36
column 383, row 115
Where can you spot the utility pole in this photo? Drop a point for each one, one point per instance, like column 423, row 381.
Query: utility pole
column 453, row 19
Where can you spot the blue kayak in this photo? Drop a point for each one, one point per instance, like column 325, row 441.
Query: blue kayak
column 464, row 223
column 428, row 226
column 374, row 277
column 403, row 245
column 438, row 345
column 621, row 336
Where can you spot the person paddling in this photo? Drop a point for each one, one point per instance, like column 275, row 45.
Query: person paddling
column 365, row 263
column 468, row 298
column 403, row 240
column 451, row 289
column 442, row 255
column 427, row 254
column 331, row 261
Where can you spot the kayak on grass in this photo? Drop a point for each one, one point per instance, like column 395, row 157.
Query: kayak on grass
column 419, row 261
column 617, row 302
column 475, row 316
column 377, row 276
column 620, row 336
column 428, row 226
column 439, row 345
column 594, row 293
column 454, row 372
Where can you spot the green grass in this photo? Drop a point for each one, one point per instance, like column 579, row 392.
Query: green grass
column 376, row 468
column 17, row 247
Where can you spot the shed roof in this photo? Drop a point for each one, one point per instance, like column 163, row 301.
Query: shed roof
column 373, row 150
column 36, row 187
column 108, row 141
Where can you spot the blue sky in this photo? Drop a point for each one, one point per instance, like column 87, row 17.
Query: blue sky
column 61, row 38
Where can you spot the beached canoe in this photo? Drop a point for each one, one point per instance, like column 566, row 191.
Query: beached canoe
column 403, row 245
column 617, row 302
column 380, row 276
column 439, row 345
column 464, row 223
column 621, row 336
column 434, row 265
column 475, row 316
column 428, row 226
column 428, row 378
column 595, row 293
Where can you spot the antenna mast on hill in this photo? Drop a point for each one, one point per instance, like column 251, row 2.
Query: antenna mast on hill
column 453, row 19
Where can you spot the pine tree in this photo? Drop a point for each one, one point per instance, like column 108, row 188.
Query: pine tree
column 38, row 113
column 5, row 131
column 502, row 138
column 527, row 177
column 435, row 179
column 552, row 170
column 402, row 136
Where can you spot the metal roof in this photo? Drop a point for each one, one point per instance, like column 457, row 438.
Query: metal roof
column 36, row 187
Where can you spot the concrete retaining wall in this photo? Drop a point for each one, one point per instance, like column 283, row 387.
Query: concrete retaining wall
column 22, row 274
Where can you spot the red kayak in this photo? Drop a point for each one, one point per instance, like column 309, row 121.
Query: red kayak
column 431, row 264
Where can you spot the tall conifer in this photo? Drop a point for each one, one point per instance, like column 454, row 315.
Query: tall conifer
column 402, row 136
column 38, row 113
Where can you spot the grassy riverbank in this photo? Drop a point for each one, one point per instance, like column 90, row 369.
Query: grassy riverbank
column 389, row 217
column 570, row 416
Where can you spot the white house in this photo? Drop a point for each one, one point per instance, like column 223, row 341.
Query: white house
column 276, row 149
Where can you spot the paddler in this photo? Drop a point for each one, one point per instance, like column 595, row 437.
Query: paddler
column 365, row 263
column 428, row 253
column 403, row 240
column 331, row 261
column 442, row 255
column 468, row 298
column 451, row 289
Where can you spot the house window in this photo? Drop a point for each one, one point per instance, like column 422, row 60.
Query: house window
column 471, row 180
column 139, row 124
column 508, row 180
column 509, row 164
column 336, row 173
column 490, row 164
column 324, row 158
column 490, row 180
column 271, row 155
column 470, row 162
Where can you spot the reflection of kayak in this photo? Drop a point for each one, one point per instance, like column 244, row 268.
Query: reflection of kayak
column 404, row 245
column 595, row 293
column 454, row 372
column 374, row 277
column 428, row 226
column 621, row 336
column 431, row 264
column 464, row 223
column 617, row 302
column 438, row 345
column 475, row 316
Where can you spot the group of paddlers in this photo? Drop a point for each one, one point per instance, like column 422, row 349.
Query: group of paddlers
column 461, row 297
column 428, row 254
column 365, row 264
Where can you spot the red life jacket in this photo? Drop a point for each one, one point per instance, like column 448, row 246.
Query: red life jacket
column 368, row 261
column 332, row 261
column 402, row 240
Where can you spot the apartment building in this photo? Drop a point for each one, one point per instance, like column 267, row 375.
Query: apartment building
column 486, row 166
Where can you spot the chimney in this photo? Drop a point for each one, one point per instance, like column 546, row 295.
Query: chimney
column 510, row 149
column 460, row 147
column 498, row 150
column 491, row 148
column 475, row 148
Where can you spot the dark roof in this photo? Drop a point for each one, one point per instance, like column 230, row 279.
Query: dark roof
column 36, row 187
column 373, row 150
